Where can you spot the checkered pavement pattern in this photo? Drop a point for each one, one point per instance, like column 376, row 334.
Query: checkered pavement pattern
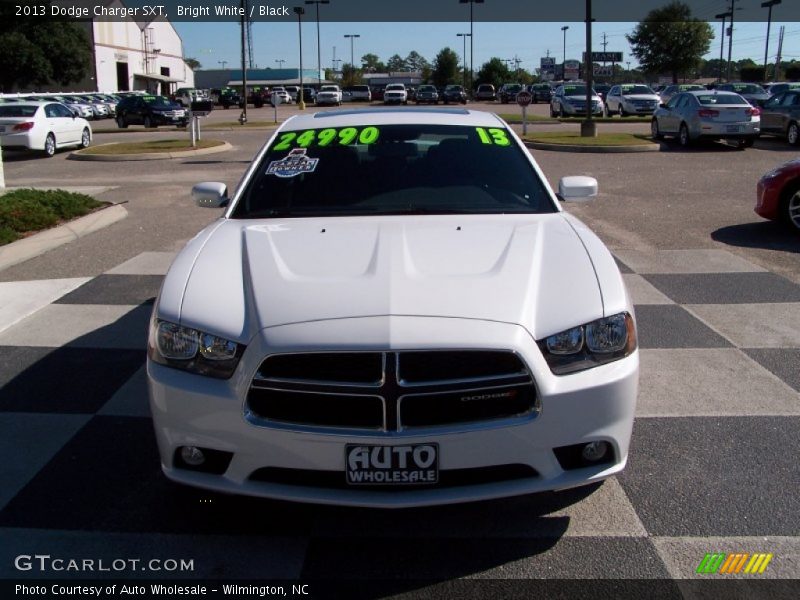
column 713, row 465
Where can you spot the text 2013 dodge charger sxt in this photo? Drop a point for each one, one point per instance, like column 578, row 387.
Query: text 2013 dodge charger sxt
column 393, row 311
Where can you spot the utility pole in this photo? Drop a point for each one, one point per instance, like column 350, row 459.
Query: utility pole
column 243, row 116
column 769, row 4
column 722, row 16
column 730, row 37
column 778, row 58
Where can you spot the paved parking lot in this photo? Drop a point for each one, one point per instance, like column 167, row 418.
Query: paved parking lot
column 713, row 464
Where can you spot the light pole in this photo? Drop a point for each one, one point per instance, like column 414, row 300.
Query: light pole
column 243, row 116
column 471, row 39
column 300, row 11
column 352, row 36
column 589, row 127
column 319, row 52
column 280, row 62
column 768, row 5
column 730, row 37
column 465, row 36
column 223, row 63
column 564, row 59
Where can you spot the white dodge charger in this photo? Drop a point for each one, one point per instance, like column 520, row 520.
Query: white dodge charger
column 394, row 310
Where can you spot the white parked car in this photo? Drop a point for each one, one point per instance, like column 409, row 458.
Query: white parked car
column 329, row 94
column 281, row 92
column 45, row 126
column 395, row 93
column 394, row 310
column 631, row 99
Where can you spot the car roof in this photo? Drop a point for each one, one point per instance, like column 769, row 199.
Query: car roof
column 393, row 116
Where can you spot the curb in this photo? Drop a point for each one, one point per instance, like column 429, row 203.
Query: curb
column 39, row 243
column 84, row 155
column 593, row 149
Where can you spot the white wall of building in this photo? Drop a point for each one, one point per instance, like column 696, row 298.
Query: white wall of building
column 146, row 48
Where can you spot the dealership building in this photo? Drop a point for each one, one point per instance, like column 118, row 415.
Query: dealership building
column 129, row 54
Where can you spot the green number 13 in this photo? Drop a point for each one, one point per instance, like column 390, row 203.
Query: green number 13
column 495, row 136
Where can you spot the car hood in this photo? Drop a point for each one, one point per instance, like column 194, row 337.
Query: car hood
column 641, row 97
column 240, row 276
column 595, row 97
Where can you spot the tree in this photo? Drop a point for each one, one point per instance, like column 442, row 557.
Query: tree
column 396, row 63
column 416, row 62
column 192, row 63
column 37, row 52
column 350, row 75
column 372, row 63
column 445, row 68
column 495, row 72
column 670, row 40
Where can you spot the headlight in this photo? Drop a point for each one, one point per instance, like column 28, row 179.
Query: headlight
column 191, row 350
column 597, row 343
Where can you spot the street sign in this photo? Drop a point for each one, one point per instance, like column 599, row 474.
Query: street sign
column 547, row 62
column 524, row 98
column 605, row 57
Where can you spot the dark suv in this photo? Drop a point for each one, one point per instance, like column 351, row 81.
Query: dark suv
column 455, row 93
column 150, row 111
column 508, row 93
column 540, row 92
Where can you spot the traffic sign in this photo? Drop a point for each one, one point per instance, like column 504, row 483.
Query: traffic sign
column 524, row 98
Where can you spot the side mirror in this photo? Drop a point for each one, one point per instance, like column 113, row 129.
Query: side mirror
column 577, row 188
column 210, row 194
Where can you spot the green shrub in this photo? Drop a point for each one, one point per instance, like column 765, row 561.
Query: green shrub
column 8, row 235
column 25, row 214
column 27, row 210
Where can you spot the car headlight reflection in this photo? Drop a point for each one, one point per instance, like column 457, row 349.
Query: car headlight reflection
column 191, row 350
column 599, row 342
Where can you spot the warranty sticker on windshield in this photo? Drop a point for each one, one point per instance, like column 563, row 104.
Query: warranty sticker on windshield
column 293, row 165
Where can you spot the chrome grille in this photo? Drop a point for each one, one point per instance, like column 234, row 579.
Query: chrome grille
column 390, row 391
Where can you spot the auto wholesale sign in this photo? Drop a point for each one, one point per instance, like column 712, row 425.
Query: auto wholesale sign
column 572, row 70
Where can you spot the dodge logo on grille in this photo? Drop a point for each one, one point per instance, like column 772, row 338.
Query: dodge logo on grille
column 494, row 396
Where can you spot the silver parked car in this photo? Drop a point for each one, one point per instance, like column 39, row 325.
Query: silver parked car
column 631, row 99
column 570, row 100
column 708, row 114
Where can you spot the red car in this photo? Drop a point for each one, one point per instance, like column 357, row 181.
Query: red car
column 779, row 194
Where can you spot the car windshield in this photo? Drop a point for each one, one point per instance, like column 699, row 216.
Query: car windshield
column 453, row 88
column 329, row 88
column 690, row 87
column 393, row 170
column 747, row 88
column 17, row 110
column 629, row 90
column 156, row 100
column 720, row 99
column 395, row 86
column 426, row 88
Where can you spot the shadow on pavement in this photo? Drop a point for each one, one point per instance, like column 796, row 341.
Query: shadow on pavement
column 768, row 235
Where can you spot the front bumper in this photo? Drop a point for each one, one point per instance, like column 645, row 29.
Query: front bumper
column 598, row 404
column 767, row 195
column 572, row 109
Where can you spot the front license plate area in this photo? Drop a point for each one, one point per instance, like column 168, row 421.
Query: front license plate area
column 412, row 464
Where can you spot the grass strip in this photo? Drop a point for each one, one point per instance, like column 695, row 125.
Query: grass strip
column 602, row 139
column 151, row 146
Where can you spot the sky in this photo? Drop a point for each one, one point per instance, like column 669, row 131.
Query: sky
column 212, row 43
